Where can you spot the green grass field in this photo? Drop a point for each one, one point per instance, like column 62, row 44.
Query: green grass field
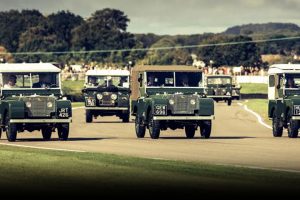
column 72, row 87
column 51, row 172
column 254, row 88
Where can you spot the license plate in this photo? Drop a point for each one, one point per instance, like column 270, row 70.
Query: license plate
column 297, row 110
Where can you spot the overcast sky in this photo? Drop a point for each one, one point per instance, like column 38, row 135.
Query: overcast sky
column 175, row 16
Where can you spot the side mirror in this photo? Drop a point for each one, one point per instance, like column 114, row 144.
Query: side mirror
column 83, row 90
column 278, row 87
column 140, row 80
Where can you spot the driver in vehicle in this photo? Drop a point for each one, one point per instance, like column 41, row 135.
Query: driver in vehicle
column 290, row 83
column 11, row 83
column 44, row 82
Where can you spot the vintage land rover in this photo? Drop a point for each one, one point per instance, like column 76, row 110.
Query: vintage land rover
column 31, row 99
column 170, row 97
column 107, row 93
column 219, row 87
column 284, row 98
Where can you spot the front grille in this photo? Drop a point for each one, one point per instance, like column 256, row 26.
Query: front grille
column 182, row 105
column 106, row 99
column 219, row 91
column 39, row 106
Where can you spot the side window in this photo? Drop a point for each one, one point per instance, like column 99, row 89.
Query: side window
column 272, row 81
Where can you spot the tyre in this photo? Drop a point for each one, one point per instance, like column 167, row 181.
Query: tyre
column 229, row 101
column 126, row 117
column 276, row 128
column 140, row 129
column 11, row 131
column 293, row 127
column 88, row 116
column 205, row 128
column 47, row 132
column 63, row 131
column 190, row 131
column 154, row 127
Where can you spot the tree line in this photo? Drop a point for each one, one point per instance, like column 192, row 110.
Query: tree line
column 106, row 29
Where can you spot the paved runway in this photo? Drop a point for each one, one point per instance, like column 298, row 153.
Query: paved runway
column 237, row 138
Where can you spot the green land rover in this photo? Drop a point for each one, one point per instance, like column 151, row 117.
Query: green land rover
column 31, row 99
column 170, row 97
column 284, row 98
column 107, row 93
column 219, row 87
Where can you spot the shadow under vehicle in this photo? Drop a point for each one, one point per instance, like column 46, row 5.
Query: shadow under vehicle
column 170, row 97
column 284, row 98
column 31, row 99
column 107, row 93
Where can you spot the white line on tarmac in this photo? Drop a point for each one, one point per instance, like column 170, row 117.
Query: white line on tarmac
column 43, row 148
column 259, row 118
column 77, row 108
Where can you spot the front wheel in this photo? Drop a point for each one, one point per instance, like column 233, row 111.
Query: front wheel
column 229, row 101
column 205, row 128
column 293, row 127
column 63, row 131
column 126, row 117
column 154, row 127
column 11, row 132
column 190, row 131
column 47, row 132
column 88, row 116
column 277, row 129
column 140, row 129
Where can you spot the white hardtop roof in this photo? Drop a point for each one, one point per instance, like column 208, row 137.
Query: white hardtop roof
column 284, row 68
column 106, row 72
column 28, row 67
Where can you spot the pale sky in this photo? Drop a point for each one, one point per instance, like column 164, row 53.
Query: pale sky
column 175, row 16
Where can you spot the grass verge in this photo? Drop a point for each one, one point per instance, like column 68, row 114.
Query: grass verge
column 36, row 172
column 260, row 106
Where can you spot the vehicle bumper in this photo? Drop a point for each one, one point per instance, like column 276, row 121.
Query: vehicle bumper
column 295, row 117
column 219, row 97
column 183, row 118
column 40, row 121
column 106, row 108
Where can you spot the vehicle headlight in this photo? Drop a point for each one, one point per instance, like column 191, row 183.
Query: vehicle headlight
column 28, row 104
column 228, row 93
column 99, row 96
column 49, row 104
column 224, row 90
column 113, row 96
column 171, row 102
column 193, row 101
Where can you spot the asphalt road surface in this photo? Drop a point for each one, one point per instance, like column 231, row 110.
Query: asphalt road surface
column 237, row 139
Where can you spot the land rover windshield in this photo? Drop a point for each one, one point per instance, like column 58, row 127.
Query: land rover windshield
column 219, row 81
column 174, row 79
column 107, row 81
column 11, row 81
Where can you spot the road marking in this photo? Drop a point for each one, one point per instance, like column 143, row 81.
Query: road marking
column 259, row 118
column 77, row 108
column 43, row 148
column 262, row 168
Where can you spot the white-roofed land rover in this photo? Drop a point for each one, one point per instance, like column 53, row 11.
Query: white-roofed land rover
column 284, row 98
column 31, row 99
column 107, row 93
column 170, row 97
